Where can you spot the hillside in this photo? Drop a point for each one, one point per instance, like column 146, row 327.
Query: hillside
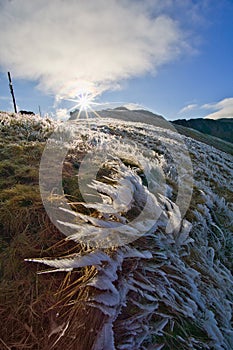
column 137, row 116
column 216, row 142
column 221, row 128
column 115, row 235
column 125, row 114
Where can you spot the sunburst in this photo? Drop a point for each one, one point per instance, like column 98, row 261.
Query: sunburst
column 85, row 103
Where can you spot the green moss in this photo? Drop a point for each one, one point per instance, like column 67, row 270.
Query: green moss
column 182, row 329
column 71, row 189
column 6, row 168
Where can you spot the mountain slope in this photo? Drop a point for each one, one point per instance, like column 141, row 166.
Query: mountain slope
column 221, row 128
column 216, row 142
column 122, row 113
column 145, row 265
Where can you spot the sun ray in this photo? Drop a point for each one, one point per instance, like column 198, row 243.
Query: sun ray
column 79, row 112
column 86, row 107
column 84, row 103
column 95, row 112
column 87, row 116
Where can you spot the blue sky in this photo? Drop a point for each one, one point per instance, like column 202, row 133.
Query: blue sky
column 192, row 78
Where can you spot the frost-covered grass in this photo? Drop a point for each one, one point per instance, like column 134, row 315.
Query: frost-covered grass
column 171, row 288
column 23, row 127
column 207, row 139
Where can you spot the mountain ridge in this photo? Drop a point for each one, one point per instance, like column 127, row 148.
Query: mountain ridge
column 221, row 128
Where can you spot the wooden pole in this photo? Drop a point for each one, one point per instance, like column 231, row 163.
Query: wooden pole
column 12, row 92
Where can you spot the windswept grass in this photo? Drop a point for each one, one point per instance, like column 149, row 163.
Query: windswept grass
column 178, row 295
column 33, row 308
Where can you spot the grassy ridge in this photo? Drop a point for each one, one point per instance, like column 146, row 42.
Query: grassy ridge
column 30, row 305
column 208, row 139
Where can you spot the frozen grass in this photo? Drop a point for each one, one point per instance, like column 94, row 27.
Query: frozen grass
column 170, row 289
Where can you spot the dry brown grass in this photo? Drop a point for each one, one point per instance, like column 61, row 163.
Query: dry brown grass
column 30, row 303
column 36, row 309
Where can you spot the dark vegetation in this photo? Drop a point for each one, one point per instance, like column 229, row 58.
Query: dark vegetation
column 221, row 128
column 26, row 112
column 216, row 142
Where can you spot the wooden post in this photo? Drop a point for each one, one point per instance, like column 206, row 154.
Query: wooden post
column 12, row 92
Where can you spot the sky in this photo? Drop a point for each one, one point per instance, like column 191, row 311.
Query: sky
column 173, row 57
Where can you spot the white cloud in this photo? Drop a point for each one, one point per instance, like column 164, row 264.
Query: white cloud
column 4, row 98
column 188, row 108
column 75, row 45
column 62, row 114
column 221, row 109
column 134, row 106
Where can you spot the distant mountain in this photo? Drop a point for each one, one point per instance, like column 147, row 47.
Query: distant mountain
column 221, row 128
column 213, row 141
column 125, row 114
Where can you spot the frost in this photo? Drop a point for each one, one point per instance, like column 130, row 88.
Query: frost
column 177, row 271
column 94, row 258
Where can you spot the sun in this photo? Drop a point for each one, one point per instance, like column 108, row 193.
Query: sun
column 85, row 101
